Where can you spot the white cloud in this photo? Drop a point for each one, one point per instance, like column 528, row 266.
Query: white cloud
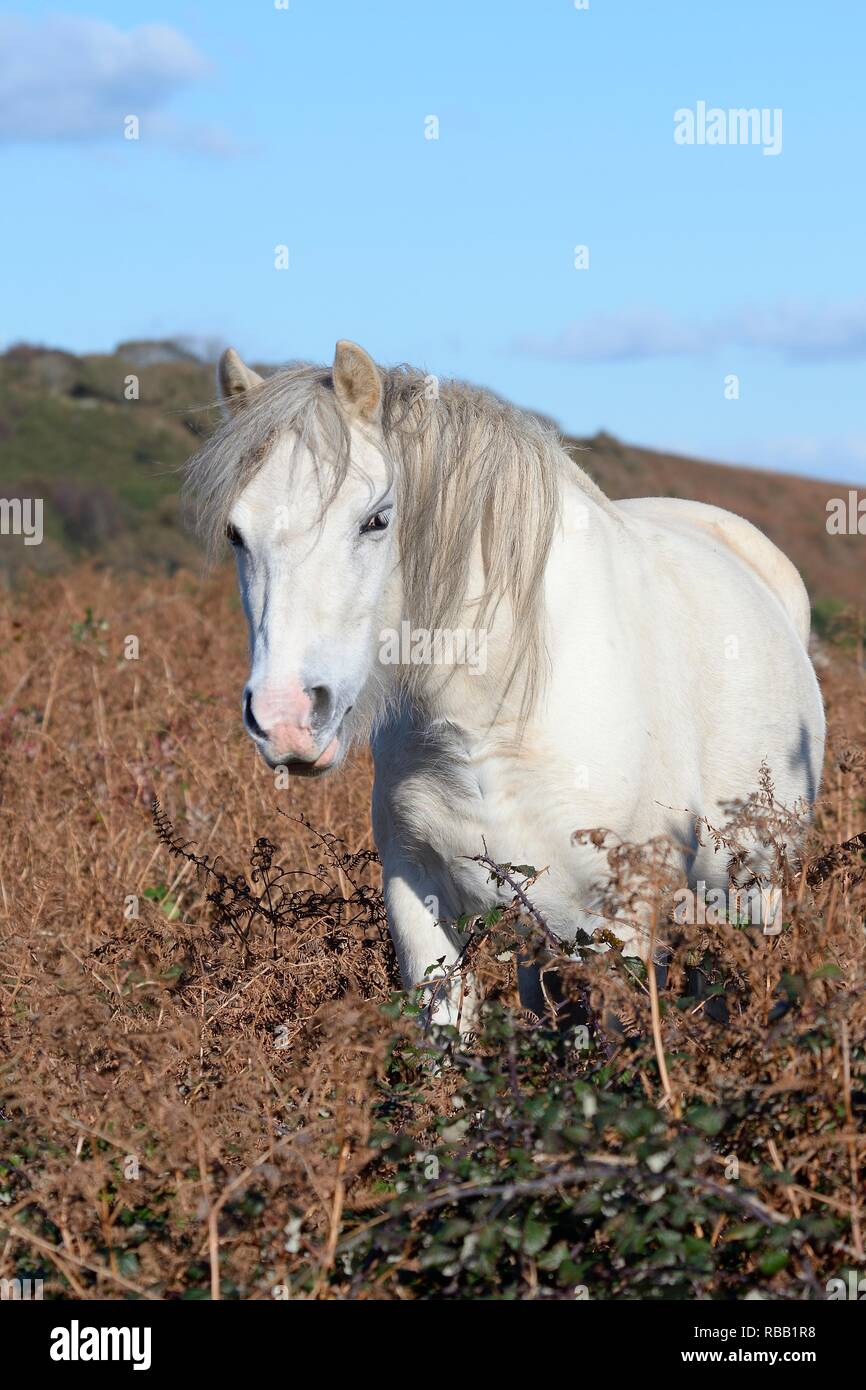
column 799, row 332
column 75, row 79
column 626, row 336
column 829, row 332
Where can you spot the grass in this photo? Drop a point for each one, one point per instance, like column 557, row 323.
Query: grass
column 212, row 1086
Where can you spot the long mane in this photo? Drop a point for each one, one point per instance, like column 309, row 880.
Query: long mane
column 469, row 469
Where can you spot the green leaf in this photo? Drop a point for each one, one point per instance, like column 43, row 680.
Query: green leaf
column 551, row 1259
column 827, row 972
column 747, row 1231
column 707, row 1118
column 772, row 1261
column 536, row 1234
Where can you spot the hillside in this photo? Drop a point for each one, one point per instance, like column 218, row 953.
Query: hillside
column 291, row 1134
column 212, row 1086
column 107, row 468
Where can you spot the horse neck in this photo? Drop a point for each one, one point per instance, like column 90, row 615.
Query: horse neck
column 575, row 568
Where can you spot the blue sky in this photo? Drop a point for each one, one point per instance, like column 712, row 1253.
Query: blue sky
column 306, row 127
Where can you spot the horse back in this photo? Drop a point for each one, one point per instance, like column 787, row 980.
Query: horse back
column 750, row 545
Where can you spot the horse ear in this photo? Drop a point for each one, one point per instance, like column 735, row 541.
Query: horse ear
column 357, row 383
column 234, row 380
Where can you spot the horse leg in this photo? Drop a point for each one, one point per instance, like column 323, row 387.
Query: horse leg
column 428, row 950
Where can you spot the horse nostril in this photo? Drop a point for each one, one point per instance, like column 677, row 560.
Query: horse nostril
column 322, row 702
column 250, row 723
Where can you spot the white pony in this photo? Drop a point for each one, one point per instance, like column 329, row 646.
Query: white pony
column 424, row 564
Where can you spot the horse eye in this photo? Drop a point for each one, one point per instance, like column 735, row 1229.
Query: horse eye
column 378, row 522
column 233, row 536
